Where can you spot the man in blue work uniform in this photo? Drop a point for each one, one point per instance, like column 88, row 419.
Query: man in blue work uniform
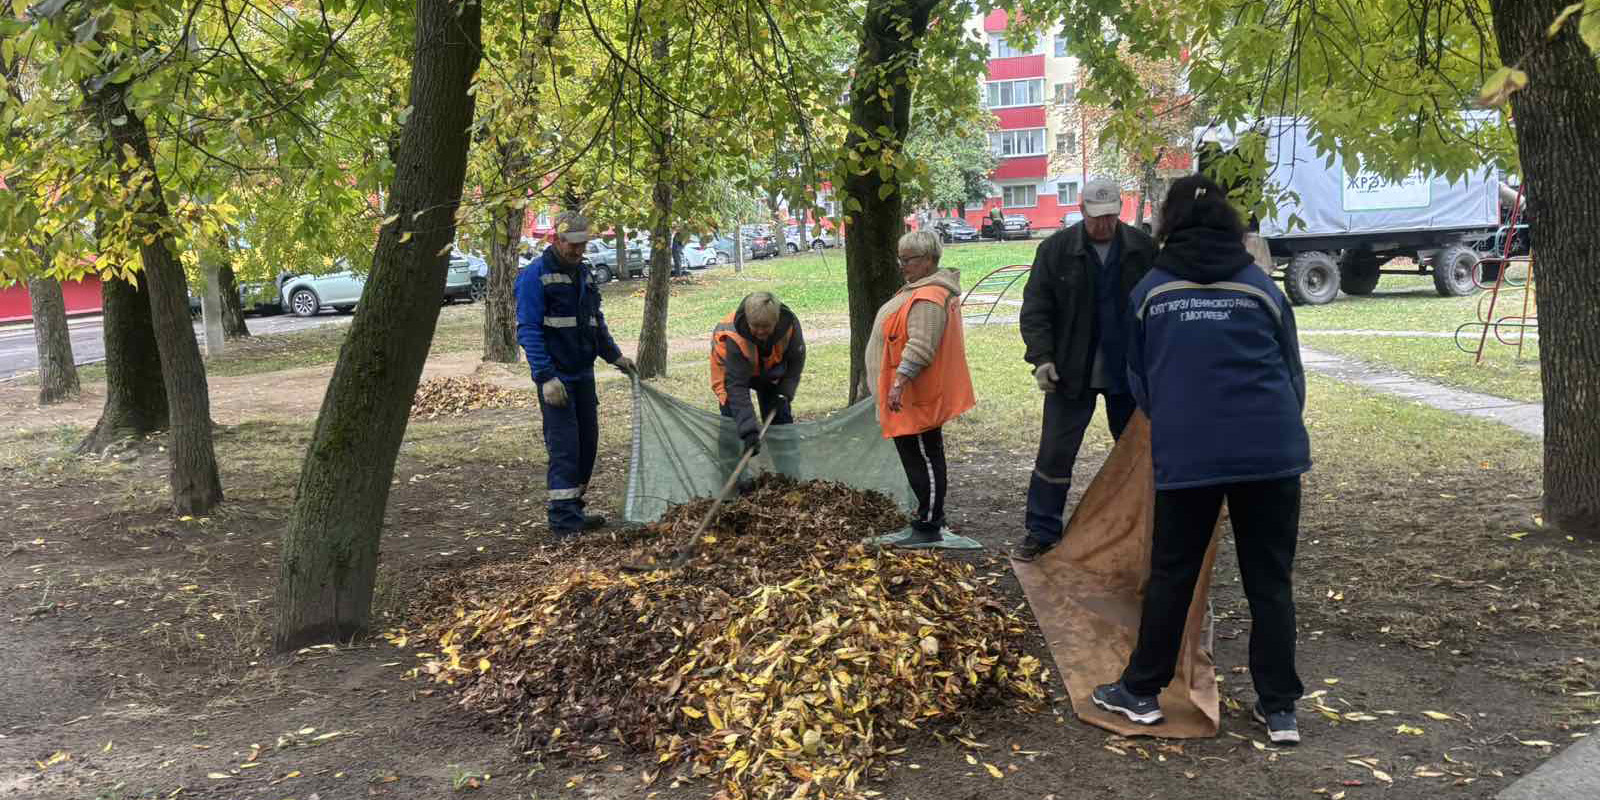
column 1074, row 323
column 562, row 330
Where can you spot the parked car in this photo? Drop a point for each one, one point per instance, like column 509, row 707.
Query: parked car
column 306, row 295
column 1071, row 218
column 602, row 260
column 814, row 239
column 1016, row 227
column 263, row 297
column 723, row 245
column 479, row 287
column 458, row 281
column 699, row 255
column 955, row 229
column 763, row 247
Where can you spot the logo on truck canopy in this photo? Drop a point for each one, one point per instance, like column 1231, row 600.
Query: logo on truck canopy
column 1369, row 191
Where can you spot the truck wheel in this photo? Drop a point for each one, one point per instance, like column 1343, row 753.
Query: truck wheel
column 1453, row 268
column 1312, row 279
column 1358, row 273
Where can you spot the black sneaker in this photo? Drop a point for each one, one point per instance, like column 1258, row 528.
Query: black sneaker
column 1281, row 726
column 1032, row 547
column 593, row 522
column 1116, row 699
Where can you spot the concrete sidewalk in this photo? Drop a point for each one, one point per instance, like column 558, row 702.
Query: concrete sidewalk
column 1526, row 418
column 1574, row 774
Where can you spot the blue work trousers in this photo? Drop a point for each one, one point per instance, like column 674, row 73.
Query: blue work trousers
column 571, row 439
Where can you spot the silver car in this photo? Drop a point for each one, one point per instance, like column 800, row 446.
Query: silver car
column 307, row 295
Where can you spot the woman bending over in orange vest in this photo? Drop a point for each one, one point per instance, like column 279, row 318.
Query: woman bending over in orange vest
column 757, row 348
column 916, row 367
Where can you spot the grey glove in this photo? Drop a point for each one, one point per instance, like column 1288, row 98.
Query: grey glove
column 554, row 393
column 750, row 433
column 1045, row 375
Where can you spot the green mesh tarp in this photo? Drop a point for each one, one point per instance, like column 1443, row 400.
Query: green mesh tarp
column 681, row 452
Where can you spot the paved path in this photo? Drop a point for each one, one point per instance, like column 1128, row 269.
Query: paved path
column 1572, row 775
column 1527, row 418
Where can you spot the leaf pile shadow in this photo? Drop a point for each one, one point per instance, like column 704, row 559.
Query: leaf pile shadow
column 787, row 659
column 454, row 397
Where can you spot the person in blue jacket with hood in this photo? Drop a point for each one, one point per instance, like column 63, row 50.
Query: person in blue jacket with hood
column 561, row 328
column 1214, row 362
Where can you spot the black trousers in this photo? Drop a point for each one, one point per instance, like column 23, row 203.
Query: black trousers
column 922, row 455
column 1266, row 522
column 1065, row 422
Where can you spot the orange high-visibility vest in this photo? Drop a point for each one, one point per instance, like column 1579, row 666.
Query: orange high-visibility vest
column 943, row 390
column 726, row 335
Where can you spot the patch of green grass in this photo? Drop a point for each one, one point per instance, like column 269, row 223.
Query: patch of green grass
column 1500, row 374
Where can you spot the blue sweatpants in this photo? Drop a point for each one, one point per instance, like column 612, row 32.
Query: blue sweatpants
column 571, row 438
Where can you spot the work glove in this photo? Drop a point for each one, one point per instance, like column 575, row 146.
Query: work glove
column 624, row 364
column 750, row 433
column 1045, row 375
column 554, row 393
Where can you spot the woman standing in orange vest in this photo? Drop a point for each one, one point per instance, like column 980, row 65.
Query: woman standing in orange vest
column 916, row 367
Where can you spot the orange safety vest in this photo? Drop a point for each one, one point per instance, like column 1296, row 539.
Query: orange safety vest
column 943, row 390
column 725, row 334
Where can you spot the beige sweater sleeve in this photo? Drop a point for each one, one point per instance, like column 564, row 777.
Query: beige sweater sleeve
column 924, row 331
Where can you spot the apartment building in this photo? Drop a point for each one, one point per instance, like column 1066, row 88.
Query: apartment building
column 1044, row 152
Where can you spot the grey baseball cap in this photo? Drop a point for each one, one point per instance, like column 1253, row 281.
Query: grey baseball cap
column 1101, row 197
column 572, row 226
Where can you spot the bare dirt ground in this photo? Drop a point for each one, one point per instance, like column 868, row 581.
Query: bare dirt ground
column 1449, row 656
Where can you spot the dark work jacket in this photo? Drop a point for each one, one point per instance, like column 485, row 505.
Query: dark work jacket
column 1059, row 319
column 1214, row 362
column 741, row 376
column 559, row 322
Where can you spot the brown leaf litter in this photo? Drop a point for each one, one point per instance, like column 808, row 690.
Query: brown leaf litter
column 455, row 396
column 786, row 660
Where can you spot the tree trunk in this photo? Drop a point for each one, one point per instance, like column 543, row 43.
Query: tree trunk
column 136, row 399
column 1558, row 122
column 330, row 552
column 196, row 486
column 652, row 355
column 58, row 373
column 780, row 230
column 233, row 325
column 889, row 42
column 500, row 301
column 505, row 239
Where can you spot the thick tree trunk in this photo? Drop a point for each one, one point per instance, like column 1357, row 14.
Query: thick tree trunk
column 780, row 230
column 1558, row 123
column 652, row 355
column 330, row 552
column 58, row 373
column 196, row 486
column 500, row 302
column 136, row 399
column 889, row 42
column 233, row 324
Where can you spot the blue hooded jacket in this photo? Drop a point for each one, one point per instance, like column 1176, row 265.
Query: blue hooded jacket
column 559, row 322
column 1214, row 362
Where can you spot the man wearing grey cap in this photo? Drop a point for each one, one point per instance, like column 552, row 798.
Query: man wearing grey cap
column 1074, row 323
column 561, row 328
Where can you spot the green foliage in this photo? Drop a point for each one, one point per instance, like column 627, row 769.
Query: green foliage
column 265, row 120
column 948, row 162
column 1377, row 91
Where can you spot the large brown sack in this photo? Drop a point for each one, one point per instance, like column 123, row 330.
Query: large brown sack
column 1086, row 594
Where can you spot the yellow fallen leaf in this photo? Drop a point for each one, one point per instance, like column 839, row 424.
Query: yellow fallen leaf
column 692, row 712
column 1536, row 743
column 483, row 665
column 1331, row 681
column 294, row 774
column 1382, row 776
column 329, row 735
column 218, row 776
column 1438, row 715
column 1408, row 730
column 993, row 773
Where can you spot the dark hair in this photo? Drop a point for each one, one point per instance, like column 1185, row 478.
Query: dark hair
column 1195, row 201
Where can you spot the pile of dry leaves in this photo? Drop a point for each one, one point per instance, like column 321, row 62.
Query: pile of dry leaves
column 785, row 659
column 452, row 397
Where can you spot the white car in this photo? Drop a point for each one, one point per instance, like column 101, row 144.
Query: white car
column 699, row 256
